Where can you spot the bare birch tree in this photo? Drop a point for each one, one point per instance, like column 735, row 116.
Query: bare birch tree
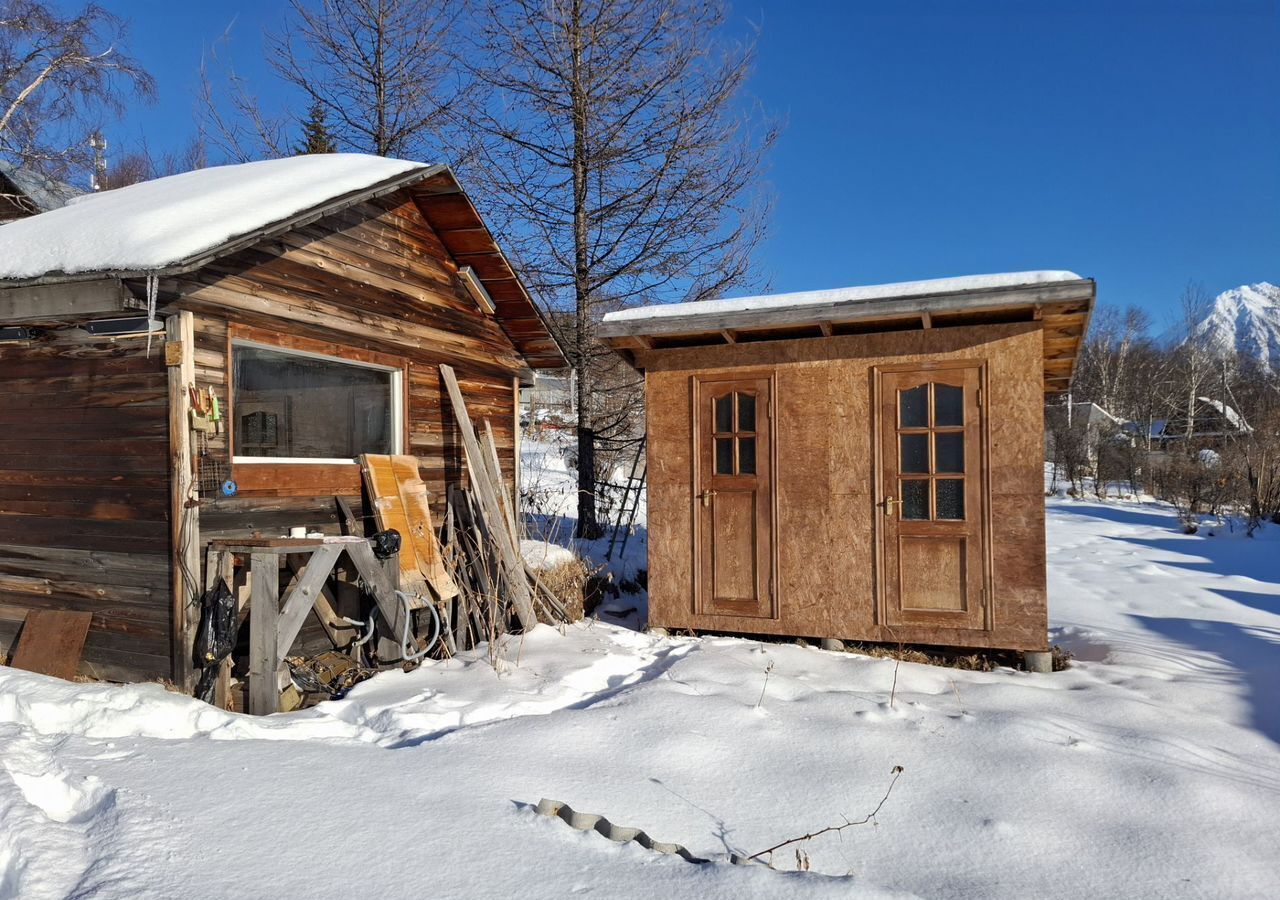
column 1195, row 361
column 60, row 76
column 622, row 166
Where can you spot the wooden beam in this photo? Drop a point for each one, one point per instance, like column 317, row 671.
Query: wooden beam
column 490, row 507
column 926, row 320
column 184, row 510
column 264, row 622
column 826, row 329
column 69, row 300
column 728, row 335
column 303, row 597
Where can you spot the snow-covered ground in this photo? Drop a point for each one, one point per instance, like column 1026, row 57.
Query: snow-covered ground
column 1149, row 769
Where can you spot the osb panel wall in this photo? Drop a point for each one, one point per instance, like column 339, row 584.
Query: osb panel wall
column 825, row 522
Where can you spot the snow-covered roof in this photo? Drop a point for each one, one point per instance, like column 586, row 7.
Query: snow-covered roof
column 1091, row 413
column 44, row 193
column 1234, row 418
column 802, row 299
column 158, row 224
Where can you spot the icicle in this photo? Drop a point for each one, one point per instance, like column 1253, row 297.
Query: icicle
column 153, row 288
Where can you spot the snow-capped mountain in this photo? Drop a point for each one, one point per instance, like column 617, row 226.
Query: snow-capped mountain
column 1247, row 320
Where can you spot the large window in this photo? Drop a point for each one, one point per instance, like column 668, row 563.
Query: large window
column 304, row 407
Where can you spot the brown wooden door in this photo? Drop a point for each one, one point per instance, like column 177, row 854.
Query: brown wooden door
column 733, row 498
column 931, row 510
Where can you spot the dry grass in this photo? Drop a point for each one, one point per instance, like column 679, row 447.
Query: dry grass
column 567, row 583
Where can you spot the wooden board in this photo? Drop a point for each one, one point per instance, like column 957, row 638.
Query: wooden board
column 413, row 496
column 51, row 642
column 399, row 501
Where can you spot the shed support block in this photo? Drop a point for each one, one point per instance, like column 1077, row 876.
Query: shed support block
column 1038, row 661
column 831, row 644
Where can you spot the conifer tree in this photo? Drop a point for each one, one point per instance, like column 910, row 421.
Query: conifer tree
column 315, row 132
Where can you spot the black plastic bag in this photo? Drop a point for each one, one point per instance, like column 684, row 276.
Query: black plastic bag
column 216, row 634
column 386, row 544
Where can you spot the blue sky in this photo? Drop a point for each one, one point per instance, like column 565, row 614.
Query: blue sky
column 1133, row 141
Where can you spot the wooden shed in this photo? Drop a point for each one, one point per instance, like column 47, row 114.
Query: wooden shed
column 315, row 298
column 860, row 464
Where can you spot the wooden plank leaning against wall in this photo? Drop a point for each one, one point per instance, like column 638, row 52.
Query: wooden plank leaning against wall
column 84, row 502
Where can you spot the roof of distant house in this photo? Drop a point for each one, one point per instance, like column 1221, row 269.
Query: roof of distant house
column 43, row 192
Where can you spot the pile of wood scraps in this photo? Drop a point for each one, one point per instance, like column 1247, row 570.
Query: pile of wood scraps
column 496, row 589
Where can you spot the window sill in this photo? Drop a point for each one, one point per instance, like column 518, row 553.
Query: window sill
column 293, row 461
column 267, row 477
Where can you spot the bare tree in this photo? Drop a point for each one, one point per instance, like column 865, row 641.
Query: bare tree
column 141, row 164
column 1195, row 362
column 1111, row 358
column 622, row 163
column 60, row 75
column 382, row 71
column 229, row 116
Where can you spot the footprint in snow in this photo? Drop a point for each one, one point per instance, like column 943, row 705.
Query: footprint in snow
column 47, row 785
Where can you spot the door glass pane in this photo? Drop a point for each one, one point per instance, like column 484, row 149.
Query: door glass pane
column 915, row 499
column 913, row 407
column 724, row 456
column 746, row 456
column 915, row 453
column 948, row 405
column 746, row 412
column 948, row 450
column 950, row 498
column 724, row 413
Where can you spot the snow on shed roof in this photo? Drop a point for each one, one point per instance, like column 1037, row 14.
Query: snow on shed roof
column 157, row 224
column 44, row 193
column 842, row 295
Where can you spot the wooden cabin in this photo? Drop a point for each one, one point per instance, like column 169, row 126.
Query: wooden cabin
column 314, row 297
column 861, row 464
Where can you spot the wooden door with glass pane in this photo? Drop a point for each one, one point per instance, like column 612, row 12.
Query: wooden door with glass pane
column 931, row 508
column 733, row 498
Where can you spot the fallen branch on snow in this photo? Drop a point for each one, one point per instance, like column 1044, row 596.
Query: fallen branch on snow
column 870, row 817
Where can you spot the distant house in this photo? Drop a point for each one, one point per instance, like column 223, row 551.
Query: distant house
column 1087, row 420
column 1213, row 422
column 24, row 192
column 551, row 400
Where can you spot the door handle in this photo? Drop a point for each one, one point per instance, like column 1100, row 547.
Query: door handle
column 889, row 504
column 706, row 496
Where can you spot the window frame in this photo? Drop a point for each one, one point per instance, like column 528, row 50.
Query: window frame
column 286, row 345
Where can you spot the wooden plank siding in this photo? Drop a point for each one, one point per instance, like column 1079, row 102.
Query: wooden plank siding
column 371, row 278
column 371, row 282
column 85, row 481
column 84, row 495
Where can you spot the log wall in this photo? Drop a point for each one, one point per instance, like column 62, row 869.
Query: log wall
column 370, row 280
column 84, row 429
column 84, row 502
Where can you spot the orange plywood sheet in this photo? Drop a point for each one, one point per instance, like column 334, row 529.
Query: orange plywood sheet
column 400, row 502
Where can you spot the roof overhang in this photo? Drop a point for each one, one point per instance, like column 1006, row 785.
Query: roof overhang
column 1062, row 307
column 443, row 203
